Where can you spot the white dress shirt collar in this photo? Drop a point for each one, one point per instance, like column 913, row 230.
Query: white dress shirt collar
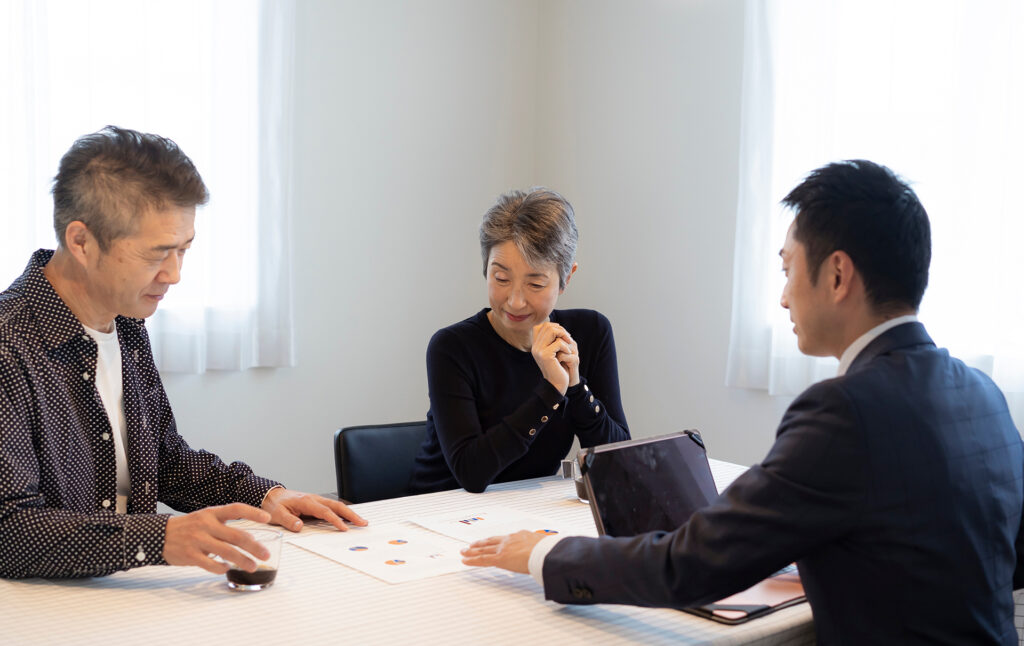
column 855, row 348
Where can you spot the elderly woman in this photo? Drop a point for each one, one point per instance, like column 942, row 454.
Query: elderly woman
column 512, row 385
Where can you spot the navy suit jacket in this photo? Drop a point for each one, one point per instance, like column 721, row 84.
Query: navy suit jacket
column 897, row 489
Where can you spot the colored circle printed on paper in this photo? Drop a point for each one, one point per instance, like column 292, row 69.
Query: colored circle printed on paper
column 546, row 531
column 395, row 562
column 398, row 541
column 358, row 548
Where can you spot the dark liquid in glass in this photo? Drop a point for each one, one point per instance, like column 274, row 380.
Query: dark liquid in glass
column 263, row 576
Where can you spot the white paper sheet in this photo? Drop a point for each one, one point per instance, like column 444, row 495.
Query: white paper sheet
column 394, row 553
column 472, row 524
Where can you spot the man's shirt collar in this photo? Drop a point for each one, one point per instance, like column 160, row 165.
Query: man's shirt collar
column 57, row 324
column 855, row 348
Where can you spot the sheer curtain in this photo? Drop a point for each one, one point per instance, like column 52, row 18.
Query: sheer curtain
column 213, row 76
column 932, row 89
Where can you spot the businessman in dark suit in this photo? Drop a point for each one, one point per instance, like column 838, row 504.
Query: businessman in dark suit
column 897, row 487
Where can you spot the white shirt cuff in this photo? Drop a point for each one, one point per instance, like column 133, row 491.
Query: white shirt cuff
column 539, row 553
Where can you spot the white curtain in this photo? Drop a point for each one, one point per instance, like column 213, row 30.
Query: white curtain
column 213, row 76
column 932, row 89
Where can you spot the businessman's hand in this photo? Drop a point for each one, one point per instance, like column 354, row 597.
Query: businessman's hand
column 511, row 552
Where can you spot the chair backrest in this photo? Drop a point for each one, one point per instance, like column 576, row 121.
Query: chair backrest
column 375, row 462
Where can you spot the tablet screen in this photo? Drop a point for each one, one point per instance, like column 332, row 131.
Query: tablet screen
column 645, row 485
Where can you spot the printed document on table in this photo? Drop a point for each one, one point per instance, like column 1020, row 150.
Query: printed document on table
column 472, row 524
column 393, row 553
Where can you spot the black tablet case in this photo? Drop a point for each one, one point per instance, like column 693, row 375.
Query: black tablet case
column 657, row 483
column 644, row 485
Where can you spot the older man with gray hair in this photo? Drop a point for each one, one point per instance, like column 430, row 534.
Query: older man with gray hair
column 88, row 442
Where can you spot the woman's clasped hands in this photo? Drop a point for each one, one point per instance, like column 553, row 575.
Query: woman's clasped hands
column 557, row 355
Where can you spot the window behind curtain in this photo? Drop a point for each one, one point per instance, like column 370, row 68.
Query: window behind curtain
column 932, row 89
column 212, row 76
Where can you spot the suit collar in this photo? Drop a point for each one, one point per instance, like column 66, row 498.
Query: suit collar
column 901, row 336
column 861, row 342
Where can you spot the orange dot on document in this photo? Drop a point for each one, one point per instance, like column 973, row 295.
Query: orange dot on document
column 398, row 541
column 546, row 531
column 395, row 562
column 358, row 548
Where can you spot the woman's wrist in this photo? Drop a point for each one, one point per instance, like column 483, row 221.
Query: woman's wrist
column 574, row 391
column 560, row 387
column 549, row 394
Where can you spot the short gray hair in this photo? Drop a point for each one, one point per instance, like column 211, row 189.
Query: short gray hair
column 108, row 179
column 540, row 223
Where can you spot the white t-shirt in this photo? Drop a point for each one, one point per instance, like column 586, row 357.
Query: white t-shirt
column 111, row 389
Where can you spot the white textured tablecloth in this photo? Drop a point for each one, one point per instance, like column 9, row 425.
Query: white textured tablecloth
column 318, row 601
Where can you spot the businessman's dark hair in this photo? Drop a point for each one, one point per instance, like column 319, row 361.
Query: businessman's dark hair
column 109, row 178
column 867, row 211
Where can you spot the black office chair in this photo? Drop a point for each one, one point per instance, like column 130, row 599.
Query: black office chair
column 375, row 462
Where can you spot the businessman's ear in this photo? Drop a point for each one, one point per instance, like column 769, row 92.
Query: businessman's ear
column 840, row 274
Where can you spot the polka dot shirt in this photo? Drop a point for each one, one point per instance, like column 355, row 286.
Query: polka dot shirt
column 58, row 480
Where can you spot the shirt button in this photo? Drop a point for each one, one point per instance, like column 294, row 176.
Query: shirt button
column 140, row 555
column 533, row 431
column 591, row 399
column 85, row 375
column 543, row 420
column 106, row 503
column 597, row 409
column 586, row 388
column 85, row 337
column 555, row 407
column 105, row 436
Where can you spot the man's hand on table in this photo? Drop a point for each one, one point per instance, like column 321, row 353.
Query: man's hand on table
column 285, row 507
column 511, row 552
column 193, row 539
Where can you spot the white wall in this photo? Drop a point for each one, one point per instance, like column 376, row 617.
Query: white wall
column 411, row 117
column 642, row 133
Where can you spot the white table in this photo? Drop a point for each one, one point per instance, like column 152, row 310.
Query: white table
column 315, row 600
